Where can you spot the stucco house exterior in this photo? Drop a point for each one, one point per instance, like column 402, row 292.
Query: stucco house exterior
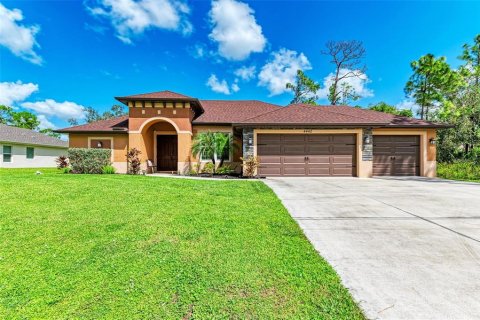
column 296, row 140
column 23, row 148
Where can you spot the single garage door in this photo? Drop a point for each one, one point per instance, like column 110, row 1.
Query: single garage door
column 306, row 155
column 396, row 155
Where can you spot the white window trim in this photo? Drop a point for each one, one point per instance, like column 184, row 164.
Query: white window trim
column 11, row 153
column 102, row 138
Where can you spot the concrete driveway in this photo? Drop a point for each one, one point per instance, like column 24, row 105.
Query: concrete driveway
column 406, row 248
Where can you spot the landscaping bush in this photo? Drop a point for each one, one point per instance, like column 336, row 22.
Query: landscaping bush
column 84, row 160
column 133, row 161
column 209, row 168
column 109, row 170
column 62, row 162
column 460, row 170
column 225, row 169
column 250, row 165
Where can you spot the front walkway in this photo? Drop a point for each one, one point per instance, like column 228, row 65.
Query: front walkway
column 407, row 248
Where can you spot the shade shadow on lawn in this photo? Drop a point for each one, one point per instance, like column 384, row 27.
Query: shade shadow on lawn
column 117, row 246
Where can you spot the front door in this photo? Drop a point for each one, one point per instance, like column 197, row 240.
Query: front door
column 167, row 156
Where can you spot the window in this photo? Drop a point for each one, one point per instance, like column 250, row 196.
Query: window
column 226, row 152
column 7, row 153
column 30, row 152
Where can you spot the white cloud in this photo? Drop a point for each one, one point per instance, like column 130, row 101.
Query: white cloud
column 235, row 87
column 19, row 39
column 45, row 123
column 131, row 17
column 408, row 105
column 62, row 110
column 12, row 92
column 281, row 70
column 221, row 86
column 235, row 29
column 245, row 73
column 359, row 84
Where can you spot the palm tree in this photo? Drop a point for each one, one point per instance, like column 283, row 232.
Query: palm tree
column 223, row 143
column 210, row 144
column 205, row 145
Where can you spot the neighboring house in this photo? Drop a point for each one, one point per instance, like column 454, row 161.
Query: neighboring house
column 23, row 148
column 296, row 140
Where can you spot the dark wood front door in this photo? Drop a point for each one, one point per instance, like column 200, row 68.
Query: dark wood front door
column 167, row 156
column 396, row 155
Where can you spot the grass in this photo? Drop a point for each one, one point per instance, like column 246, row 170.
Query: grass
column 117, row 246
column 461, row 170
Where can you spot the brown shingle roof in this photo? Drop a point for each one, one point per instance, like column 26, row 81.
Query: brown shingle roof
column 161, row 95
column 300, row 114
column 11, row 134
column 119, row 124
column 253, row 112
column 232, row 111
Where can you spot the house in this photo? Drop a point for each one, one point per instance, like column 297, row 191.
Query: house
column 24, row 148
column 296, row 140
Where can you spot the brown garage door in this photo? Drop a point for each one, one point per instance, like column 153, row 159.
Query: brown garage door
column 306, row 155
column 396, row 155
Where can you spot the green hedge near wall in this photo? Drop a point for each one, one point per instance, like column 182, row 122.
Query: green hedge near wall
column 91, row 161
column 460, row 170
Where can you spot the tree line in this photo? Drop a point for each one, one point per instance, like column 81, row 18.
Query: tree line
column 28, row 120
column 442, row 93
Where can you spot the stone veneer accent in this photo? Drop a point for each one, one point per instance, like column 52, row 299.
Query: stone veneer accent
column 247, row 142
column 367, row 148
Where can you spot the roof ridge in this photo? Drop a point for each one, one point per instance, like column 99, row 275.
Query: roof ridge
column 262, row 114
column 351, row 116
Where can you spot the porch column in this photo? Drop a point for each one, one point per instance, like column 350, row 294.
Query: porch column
column 366, row 149
column 247, row 145
column 184, row 152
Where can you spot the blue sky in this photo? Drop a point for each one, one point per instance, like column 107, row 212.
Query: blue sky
column 59, row 56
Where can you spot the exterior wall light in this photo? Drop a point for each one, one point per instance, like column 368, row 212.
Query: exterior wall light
column 99, row 144
column 366, row 140
column 433, row 141
column 250, row 141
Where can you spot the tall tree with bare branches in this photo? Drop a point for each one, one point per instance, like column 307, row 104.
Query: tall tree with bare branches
column 347, row 57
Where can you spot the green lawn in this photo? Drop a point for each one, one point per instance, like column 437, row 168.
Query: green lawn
column 117, row 246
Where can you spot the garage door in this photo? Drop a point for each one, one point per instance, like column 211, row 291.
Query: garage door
column 396, row 155
column 306, row 155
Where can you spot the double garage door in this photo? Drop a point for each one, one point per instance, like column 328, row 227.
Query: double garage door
column 334, row 155
column 306, row 155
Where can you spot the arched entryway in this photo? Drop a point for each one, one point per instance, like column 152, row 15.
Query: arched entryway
column 161, row 142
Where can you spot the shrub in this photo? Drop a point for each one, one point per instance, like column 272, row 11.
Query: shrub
column 84, row 160
column 62, row 162
column 67, row 170
column 459, row 170
column 109, row 170
column 225, row 169
column 133, row 161
column 209, row 168
column 250, row 165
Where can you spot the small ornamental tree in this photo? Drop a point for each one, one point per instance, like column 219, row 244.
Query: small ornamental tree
column 250, row 165
column 62, row 162
column 133, row 161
